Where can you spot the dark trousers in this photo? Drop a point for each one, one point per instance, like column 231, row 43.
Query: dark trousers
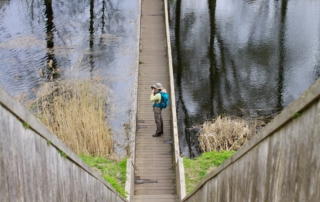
column 158, row 119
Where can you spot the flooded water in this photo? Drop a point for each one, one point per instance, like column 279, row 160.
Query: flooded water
column 244, row 58
column 43, row 41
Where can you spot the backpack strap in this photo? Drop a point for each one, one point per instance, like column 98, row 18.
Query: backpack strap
column 158, row 104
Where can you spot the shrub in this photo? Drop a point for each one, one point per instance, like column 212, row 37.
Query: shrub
column 224, row 134
column 74, row 111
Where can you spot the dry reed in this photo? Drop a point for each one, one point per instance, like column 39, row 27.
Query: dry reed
column 224, row 133
column 74, row 111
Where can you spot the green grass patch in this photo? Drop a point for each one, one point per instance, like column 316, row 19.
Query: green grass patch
column 113, row 172
column 25, row 125
column 64, row 155
column 196, row 169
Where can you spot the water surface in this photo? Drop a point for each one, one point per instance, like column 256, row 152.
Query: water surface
column 46, row 41
column 242, row 58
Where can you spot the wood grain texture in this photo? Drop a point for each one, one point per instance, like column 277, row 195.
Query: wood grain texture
column 33, row 170
column 280, row 164
column 4, row 189
column 153, row 155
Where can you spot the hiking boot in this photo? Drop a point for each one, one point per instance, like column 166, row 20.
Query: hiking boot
column 157, row 134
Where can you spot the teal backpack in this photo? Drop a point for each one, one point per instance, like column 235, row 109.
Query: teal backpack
column 164, row 100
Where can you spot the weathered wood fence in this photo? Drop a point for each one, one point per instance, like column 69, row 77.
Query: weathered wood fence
column 36, row 166
column 178, row 161
column 280, row 164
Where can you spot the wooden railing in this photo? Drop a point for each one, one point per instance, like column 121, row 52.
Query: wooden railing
column 282, row 163
column 178, row 162
column 36, row 166
column 129, row 187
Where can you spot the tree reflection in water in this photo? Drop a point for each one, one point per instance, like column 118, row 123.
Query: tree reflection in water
column 239, row 58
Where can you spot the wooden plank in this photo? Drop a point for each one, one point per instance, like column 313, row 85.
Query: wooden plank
column 156, row 200
column 57, row 157
column 87, row 182
column 10, row 160
column 89, row 188
column 163, row 184
column 154, row 192
column 170, row 196
column 155, row 141
column 274, row 153
column 151, row 122
column 40, row 173
column 150, row 149
column 166, row 136
column 153, row 175
column 29, row 156
column 30, row 170
column 153, row 164
column 159, row 154
column 304, row 146
column 52, row 176
column 4, row 148
column 103, row 192
column 286, row 172
column 155, row 171
column 147, row 139
column 65, row 178
column 150, row 129
column 315, row 195
column 73, row 187
column 153, row 155
column 151, row 186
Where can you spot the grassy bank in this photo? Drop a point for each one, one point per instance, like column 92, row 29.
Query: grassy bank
column 218, row 139
column 196, row 169
column 113, row 172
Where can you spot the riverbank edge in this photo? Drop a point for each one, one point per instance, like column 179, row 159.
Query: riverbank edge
column 112, row 171
column 178, row 161
column 129, row 186
column 289, row 114
column 206, row 163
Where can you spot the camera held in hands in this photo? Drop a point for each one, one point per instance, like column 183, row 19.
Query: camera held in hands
column 152, row 87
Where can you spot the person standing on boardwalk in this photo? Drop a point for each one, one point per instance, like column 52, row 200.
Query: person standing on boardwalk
column 156, row 99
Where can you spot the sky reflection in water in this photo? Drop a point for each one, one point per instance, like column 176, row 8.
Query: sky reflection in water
column 82, row 39
column 244, row 58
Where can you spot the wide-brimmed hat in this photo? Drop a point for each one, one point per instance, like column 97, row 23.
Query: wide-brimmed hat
column 158, row 86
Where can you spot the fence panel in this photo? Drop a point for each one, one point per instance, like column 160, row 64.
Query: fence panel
column 36, row 166
column 282, row 163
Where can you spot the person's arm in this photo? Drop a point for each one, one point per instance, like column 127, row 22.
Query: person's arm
column 156, row 97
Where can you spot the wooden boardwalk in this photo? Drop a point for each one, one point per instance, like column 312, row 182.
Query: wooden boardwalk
column 154, row 170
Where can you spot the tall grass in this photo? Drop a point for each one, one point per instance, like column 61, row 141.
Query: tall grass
column 225, row 133
column 74, row 111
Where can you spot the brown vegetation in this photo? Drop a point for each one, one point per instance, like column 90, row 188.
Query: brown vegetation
column 226, row 133
column 74, row 111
